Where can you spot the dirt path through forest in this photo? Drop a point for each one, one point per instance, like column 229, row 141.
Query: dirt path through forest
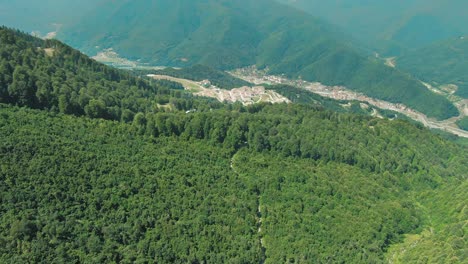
column 259, row 215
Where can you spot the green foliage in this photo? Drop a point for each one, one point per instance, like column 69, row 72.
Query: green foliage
column 222, row 184
column 75, row 190
column 324, row 213
column 96, row 109
column 463, row 123
column 174, row 187
column 392, row 26
column 231, row 34
column 444, row 240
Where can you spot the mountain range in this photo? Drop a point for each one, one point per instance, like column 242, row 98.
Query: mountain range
column 427, row 38
column 98, row 165
column 232, row 34
column 391, row 27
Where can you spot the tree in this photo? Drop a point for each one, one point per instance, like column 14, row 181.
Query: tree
column 96, row 109
column 64, row 104
column 44, row 93
column 23, row 230
column 234, row 137
column 5, row 80
column 22, row 89
column 127, row 116
column 139, row 121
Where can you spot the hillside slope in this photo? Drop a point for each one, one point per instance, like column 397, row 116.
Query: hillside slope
column 181, row 188
column 231, row 34
column 51, row 75
column 440, row 64
column 392, row 26
column 226, row 183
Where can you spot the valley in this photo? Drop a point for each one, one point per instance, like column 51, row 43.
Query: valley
column 258, row 77
column 222, row 131
column 226, row 35
column 112, row 58
column 249, row 95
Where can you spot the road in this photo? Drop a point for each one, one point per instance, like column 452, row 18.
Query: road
column 257, row 77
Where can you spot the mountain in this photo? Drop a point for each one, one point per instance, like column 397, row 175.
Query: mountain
column 215, row 32
column 392, row 26
column 230, row 34
column 440, row 64
column 84, row 177
column 425, row 36
column 47, row 74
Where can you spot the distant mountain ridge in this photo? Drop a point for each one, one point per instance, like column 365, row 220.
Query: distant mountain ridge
column 441, row 63
column 230, row 34
column 392, row 26
column 425, row 35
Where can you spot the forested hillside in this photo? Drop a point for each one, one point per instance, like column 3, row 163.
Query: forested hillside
column 440, row 64
column 445, row 240
column 126, row 175
column 391, row 27
column 50, row 75
column 427, row 37
column 324, row 185
column 231, row 34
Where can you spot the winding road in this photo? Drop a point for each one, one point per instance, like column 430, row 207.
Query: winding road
column 341, row 93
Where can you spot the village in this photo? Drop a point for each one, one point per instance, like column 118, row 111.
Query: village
column 259, row 77
column 246, row 95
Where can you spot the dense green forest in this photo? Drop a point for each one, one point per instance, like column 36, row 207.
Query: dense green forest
column 445, row 240
column 328, row 186
column 201, row 72
column 302, row 96
column 86, row 191
column 232, row 34
column 128, row 176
